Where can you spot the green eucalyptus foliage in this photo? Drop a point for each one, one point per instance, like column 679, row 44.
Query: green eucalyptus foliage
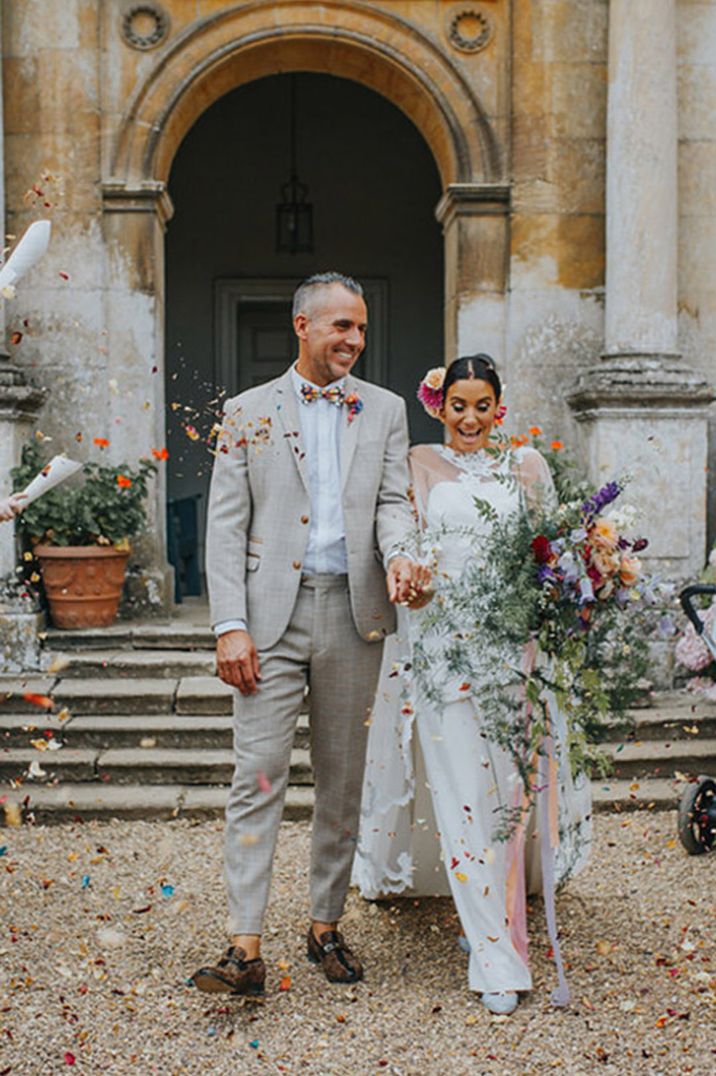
column 98, row 512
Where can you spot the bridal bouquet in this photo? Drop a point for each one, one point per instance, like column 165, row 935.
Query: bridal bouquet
column 557, row 600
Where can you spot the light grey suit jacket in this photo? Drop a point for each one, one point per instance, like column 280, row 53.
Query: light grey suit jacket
column 259, row 507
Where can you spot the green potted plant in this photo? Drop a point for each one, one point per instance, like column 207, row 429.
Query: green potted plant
column 80, row 535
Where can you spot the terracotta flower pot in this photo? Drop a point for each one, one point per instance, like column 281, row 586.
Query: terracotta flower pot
column 83, row 583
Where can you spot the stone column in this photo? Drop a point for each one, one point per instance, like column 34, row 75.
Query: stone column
column 643, row 409
column 474, row 218
column 19, row 403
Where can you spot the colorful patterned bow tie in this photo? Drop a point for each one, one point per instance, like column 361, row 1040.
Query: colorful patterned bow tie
column 335, row 394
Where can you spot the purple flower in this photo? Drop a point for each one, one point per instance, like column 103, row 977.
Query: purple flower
column 599, row 501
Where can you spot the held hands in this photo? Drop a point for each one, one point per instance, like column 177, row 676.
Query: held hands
column 237, row 661
column 408, row 583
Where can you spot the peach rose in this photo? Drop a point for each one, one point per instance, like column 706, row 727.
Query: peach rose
column 603, row 535
column 629, row 570
column 607, row 564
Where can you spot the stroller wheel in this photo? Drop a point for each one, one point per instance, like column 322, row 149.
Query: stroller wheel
column 697, row 816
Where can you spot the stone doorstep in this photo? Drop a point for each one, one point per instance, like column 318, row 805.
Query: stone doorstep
column 102, row 696
column 112, row 664
column 197, row 767
column 64, row 803
column 662, row 758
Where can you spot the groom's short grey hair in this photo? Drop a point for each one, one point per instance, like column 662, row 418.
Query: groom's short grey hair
column 305, row 293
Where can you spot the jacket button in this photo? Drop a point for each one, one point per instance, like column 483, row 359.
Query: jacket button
column 304, row 519
column 297, row 564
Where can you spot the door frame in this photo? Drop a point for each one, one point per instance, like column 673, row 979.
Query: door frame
column 231, row 292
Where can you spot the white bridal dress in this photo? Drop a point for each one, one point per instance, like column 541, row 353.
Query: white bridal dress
column 428, row 816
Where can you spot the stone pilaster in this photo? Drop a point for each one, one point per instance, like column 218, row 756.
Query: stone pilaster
column 19, row 403
column 643, row 409
column 134, row 222
column 474, row 218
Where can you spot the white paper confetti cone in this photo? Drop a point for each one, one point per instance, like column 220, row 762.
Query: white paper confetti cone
column 57, row 470
column 29, row 250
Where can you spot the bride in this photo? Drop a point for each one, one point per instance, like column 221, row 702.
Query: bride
column 431, row 802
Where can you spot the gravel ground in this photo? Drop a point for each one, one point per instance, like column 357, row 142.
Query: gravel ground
column 102, row 924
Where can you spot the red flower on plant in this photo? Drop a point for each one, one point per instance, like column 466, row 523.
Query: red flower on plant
column 541, row 549
column 123, row 482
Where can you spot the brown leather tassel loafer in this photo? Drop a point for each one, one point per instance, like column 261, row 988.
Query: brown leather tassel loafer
column 339, row 964
column 233, row 974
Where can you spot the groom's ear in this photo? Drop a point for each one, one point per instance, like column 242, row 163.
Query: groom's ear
column 300, row 324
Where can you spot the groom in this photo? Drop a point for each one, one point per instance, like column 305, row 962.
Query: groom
column 308, row 504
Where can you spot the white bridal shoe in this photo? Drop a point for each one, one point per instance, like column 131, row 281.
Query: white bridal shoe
column 500, row 1002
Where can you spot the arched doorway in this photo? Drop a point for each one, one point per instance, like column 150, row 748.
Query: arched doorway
column 239, row 46
column 373, row 184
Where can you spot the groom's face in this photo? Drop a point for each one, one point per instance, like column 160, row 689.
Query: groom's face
column 331, row 334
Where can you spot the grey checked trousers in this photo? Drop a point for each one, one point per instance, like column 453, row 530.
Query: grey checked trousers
column 321, row 648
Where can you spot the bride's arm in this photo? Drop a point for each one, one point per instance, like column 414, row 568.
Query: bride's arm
column 535, row 477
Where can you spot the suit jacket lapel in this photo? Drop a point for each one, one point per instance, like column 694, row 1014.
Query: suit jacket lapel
column 287, row 405
column 349, row 434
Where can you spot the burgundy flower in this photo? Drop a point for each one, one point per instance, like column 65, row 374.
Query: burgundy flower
column 541, row 549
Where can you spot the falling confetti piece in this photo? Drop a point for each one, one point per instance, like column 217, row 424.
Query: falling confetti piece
column 85, row 881
column 167, row 890
column 254, row 1044
column 460, row 876
column 64, row 276
column 13, row 814
column 16, row 337
column 192, row 433
column 44, row 701
column 285, row 983
column 604, row 948
column 160, row 453
column 263, row 782
column 70, row 1059
column 101, row 442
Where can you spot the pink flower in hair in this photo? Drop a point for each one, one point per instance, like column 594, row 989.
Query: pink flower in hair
column 430, row 391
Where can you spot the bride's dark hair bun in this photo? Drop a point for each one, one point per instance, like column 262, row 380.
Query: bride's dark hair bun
column 480, row 366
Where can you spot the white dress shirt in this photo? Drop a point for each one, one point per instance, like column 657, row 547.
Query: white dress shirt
column 321, row 433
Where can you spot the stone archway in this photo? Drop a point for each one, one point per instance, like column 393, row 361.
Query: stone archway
column 227, row 49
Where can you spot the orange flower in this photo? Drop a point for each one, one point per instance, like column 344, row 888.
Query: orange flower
column 522, row 439
column 160, row 453
column 101, row 442
column 629, row 570
column 123, row 482
column 535, row 431
column 556, row 446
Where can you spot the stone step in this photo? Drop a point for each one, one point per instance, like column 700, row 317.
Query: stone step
column 162, row 766
column 50, row 805
column 116, row 664
column 65, row 764
column 652, row 793
column 204, row 695
column 174, row 635
column 663, row 758
column 128, row 730
column 673, row 714
column 14, row 692
column 17, row 730
column 102, row 696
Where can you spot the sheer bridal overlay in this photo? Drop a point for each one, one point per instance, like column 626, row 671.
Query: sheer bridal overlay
column 431, row 800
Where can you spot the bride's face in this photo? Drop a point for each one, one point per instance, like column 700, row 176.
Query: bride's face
column 469, row 414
